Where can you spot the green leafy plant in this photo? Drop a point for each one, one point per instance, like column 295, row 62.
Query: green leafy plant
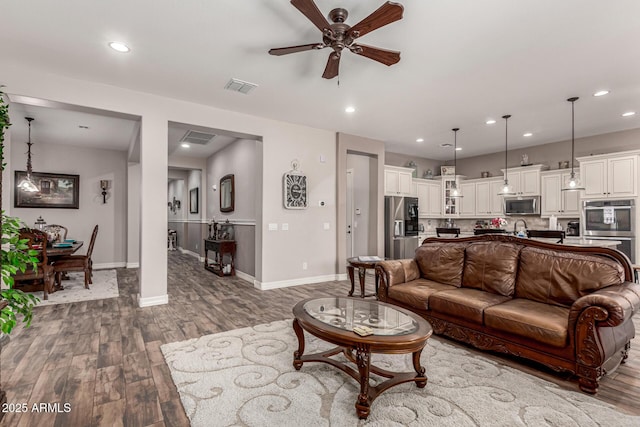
column 16, row 255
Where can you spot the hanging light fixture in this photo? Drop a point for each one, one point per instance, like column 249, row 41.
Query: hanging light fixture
column 27, row 184
column 455, row 192
column 574, row 183
column 507, row 190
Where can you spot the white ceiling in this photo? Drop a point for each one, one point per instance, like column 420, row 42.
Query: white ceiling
column 462, row 62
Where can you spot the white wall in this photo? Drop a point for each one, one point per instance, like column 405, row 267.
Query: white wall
column 133, row 215
column 193, row 181
column 92, row 165
column 280, row 252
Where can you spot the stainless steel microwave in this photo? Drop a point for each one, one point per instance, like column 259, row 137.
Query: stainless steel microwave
column 526, row 205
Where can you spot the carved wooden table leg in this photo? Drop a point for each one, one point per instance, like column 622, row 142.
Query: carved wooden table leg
column 297, row 355
column 362, row 274
column 351, row 278
column 363, row 359
column 421, row 379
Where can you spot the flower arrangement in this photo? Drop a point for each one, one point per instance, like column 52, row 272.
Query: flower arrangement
column 498, row 222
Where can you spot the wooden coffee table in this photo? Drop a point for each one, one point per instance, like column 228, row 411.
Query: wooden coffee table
column 396, row 331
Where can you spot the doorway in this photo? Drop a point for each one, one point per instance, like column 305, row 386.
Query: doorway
column 360, row 203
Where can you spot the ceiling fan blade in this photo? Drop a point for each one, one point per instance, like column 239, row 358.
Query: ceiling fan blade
column 387, row 57
column 293, row 49
column 333, row 64
column 386, row 14
column 313, row 14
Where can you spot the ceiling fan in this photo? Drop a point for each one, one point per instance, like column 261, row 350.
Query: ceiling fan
column 339, row 35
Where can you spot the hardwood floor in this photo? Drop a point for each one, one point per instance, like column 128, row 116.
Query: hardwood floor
column 103, row 357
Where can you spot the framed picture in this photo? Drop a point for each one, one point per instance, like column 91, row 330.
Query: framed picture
column 295, row 190
column 447, row 170
column 193, row 200
column 56, row 191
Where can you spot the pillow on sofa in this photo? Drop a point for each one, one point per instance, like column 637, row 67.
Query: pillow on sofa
column 560, row 278
column 441, row 262
column 491, row 267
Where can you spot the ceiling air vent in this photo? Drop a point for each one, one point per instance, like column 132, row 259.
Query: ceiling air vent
column 240, row 86
column 445, row 145
column 197, row 138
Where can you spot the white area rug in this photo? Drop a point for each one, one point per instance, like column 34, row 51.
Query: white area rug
column 105, row 285
column 245, row 377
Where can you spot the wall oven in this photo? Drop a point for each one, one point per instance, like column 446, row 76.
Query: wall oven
column 611, row 220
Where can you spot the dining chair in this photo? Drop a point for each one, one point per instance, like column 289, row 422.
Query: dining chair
column 55, row 228
column 449, row 231
column 36, row 240
column 549, row 234
column 77, row 263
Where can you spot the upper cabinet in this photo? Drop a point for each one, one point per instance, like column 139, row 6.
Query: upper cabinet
column 525, row 180
column 468, row 201
column 397, row 181
column 556, row 202
column 610, row 175
column 429, row 195
column 488, row 202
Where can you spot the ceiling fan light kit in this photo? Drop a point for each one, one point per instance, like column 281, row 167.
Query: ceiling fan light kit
column 340, row 36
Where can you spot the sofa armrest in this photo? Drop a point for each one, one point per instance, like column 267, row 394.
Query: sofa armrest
column 393, row 272
column 620, row 302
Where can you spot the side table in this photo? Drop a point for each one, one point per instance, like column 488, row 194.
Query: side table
column 362, row 267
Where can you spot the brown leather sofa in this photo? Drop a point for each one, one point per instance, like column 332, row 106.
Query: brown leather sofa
column 569, row 308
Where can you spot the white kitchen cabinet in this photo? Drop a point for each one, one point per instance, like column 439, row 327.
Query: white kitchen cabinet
column 397, row 181
column 468, row 201
column 610, row 175
column 488, row 202
column 429, row 195
column 554, row 201
column 525, row 180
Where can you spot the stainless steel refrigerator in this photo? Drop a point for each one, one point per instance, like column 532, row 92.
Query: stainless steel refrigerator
column 400, row 227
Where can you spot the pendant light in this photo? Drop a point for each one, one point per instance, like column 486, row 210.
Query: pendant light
column 507, row 190
column 574, row 183
column 27, row 184
column 455, row 192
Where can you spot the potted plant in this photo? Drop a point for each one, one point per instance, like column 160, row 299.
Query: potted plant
column 15, row 256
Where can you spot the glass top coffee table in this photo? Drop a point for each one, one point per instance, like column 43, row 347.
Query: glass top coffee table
column 395, row 331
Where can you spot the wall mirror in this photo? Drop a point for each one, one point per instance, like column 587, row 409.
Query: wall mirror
column 227, row 193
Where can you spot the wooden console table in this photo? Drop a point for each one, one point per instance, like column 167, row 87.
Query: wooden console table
column 220, row 247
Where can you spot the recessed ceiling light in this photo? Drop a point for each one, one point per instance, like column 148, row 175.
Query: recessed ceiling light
column 601, row 93
column 490, row 122
column 120, row 47
column 185, row 145
column 527, row 134
column 420, row 140
column 458, row 148
column 350, row 109
column 628, row 113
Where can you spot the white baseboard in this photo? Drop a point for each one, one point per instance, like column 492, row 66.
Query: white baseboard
column 133, row 265
column 188, row 252
column 106, row 265
column 342, row 276
column 151, row 301
column 293, row 282
column 244, row 276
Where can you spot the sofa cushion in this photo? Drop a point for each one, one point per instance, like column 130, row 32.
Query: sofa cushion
column 417, row 292
column 441, row 262
column 491, row 267
column 560, row 278
column 530, row 319
column 468, row 304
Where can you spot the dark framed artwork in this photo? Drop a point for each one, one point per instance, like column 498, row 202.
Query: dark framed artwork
column 57, row 190
column 193, row 200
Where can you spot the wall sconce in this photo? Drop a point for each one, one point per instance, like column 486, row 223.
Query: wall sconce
column 104, row 185
column 174, row 205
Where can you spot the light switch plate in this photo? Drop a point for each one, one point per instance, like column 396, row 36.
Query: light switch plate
column 326, row 226
column 273, row 226
column 284, row 226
